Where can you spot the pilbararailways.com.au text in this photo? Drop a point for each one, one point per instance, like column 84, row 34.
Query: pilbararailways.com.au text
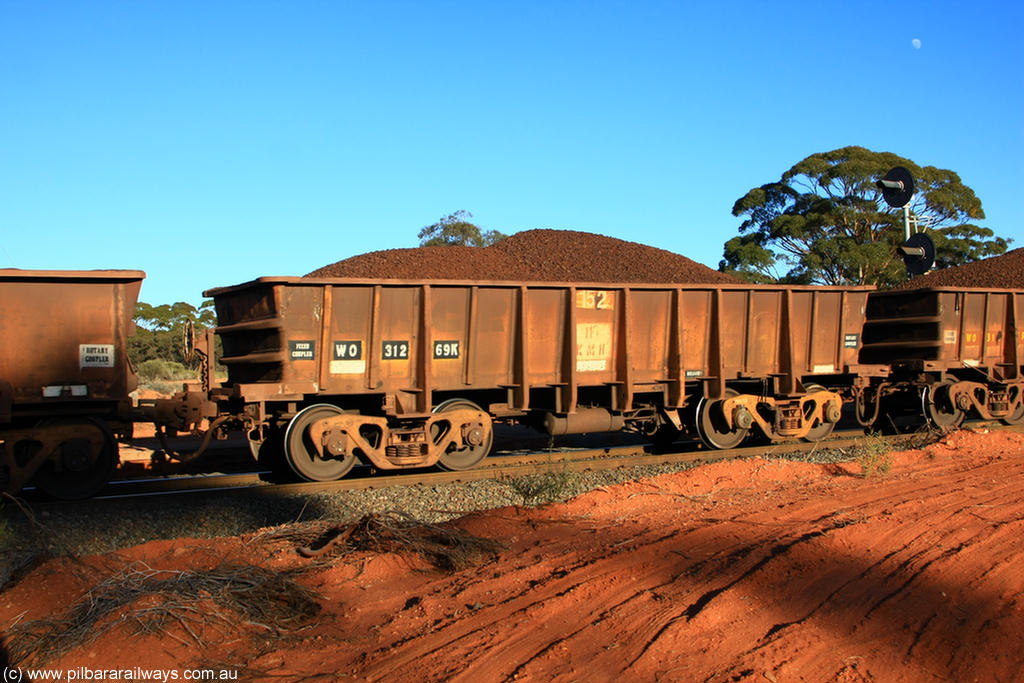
column 84, row 673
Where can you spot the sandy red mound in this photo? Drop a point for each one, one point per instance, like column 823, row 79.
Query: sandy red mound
column 743, row 571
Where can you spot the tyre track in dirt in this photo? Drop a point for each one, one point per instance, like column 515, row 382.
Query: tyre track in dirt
column 543, row 587
column 909, row 581
column 744, row 588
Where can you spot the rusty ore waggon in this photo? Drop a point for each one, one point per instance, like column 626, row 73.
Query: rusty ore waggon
column 412, row 374
column 325, row 373
column 64, row 376
column 950, row 352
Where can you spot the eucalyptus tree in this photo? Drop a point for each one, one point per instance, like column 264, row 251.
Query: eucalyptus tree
column 825, row 222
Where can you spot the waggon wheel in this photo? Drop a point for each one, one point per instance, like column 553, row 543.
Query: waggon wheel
column 82, row 464
column 1016, row 417
column 478, row 441
column 301, row 453
column 939, row 408
column 711, row 426
column 821, row 428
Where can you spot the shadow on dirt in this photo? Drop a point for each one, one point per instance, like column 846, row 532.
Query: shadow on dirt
column 817, row 596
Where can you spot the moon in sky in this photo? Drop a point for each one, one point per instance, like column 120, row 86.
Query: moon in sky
column 916, row 42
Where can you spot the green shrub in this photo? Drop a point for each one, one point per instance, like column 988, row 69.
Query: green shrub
column 874, row 455
column 543, row 488
column 164, row 371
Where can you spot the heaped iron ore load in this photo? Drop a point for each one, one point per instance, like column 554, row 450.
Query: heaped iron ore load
column 532, row 256
column 998, row 272
column 409, row 374
column 64, row 376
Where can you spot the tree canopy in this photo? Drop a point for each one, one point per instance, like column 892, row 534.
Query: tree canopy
column 174, row 316
column 825, row 221
column 455, row 229
column 159, row 329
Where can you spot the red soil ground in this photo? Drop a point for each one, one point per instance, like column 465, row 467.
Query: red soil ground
column 742, row 571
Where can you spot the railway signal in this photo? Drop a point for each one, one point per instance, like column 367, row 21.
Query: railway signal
column 918, row 251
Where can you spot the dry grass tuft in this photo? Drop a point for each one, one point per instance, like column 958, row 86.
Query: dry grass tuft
column 923, row 436
column 444, row 546
column 152, row 600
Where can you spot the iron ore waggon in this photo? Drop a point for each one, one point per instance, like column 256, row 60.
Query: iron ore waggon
column 403, row 374
column 65, row 378
column 325, row 373
column 951, row 352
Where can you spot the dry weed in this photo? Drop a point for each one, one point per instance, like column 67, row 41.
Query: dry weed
column 151, row 600
column 444, row 546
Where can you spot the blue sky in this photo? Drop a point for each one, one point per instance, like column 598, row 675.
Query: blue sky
column 209, row 143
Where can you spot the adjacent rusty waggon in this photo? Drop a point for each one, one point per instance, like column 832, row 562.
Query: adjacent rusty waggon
column 951, row 352
column 64, row 376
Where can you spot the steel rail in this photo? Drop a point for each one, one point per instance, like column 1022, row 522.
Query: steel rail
column 497, row 466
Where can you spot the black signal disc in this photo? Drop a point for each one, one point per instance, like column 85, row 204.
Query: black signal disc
column 898, row 196
column 919, row 265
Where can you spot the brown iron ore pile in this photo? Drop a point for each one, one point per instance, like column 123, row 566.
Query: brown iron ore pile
column 1001, row 272
column 532, row 255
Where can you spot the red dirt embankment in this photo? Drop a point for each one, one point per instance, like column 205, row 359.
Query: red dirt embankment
column 740, row 571
column 532, row 255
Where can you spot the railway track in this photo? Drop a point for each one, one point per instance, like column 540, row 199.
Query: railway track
column 501, row 465
column 207, row 505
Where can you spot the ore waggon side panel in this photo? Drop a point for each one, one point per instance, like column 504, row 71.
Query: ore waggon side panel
column 288, row 337
column 65, row 337
column 64, row 376
column 944, row 328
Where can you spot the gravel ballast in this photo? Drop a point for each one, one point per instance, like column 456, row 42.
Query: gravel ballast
column 100, row 526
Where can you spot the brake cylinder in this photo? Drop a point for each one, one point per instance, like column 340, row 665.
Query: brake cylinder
column 583, row 421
